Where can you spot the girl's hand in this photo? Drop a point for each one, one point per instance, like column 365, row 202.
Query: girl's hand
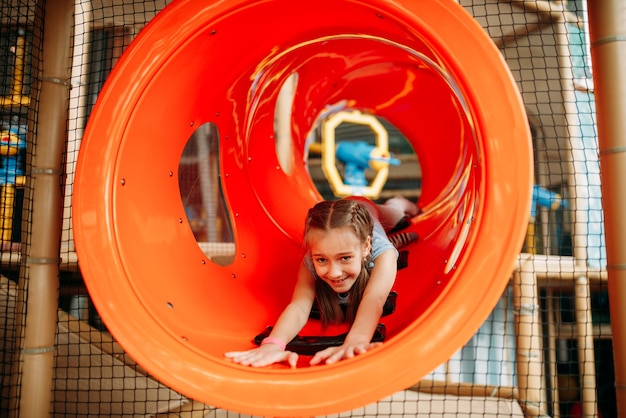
column 332, row 355
column 263, row 356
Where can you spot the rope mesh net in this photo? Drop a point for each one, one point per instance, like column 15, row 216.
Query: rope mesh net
column 545, row 349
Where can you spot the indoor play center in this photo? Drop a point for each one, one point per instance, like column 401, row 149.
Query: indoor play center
column 158, row 159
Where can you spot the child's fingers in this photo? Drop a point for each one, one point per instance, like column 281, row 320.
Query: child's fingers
column 292, row 359
column 259, row 358
column 328, row 356
column 233, row 354
column 334, row 354
column 322, row 355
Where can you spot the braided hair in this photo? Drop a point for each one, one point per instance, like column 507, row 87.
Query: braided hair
column 328, row 215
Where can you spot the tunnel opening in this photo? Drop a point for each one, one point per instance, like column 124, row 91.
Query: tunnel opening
column 178, row 302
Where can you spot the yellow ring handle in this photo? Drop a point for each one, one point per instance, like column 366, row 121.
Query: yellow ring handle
column 329, row 166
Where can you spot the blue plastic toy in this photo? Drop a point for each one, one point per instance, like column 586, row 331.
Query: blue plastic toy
column 357, row 157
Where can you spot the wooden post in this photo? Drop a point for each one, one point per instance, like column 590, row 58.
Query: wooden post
column 530, row 374
column 584, row 338
column 40, row 276
column 607, row 35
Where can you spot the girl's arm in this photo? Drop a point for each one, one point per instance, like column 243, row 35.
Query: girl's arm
column 296, row 314
column 290, row 322
column 382, row 278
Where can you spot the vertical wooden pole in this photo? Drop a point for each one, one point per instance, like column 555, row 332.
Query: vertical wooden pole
column 607, row 35
column 41, row 253
column 530, row 374
column 586, row 352
column 551, row 311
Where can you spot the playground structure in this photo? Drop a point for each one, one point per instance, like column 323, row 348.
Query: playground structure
column 528, row 276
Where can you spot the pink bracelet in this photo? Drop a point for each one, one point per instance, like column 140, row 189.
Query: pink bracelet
column 274, row 340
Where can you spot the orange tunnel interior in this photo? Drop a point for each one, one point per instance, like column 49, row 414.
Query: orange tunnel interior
column 427, row 67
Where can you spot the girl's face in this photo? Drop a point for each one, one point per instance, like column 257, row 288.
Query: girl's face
column 338, row 256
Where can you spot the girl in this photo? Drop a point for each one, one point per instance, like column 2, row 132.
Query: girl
column 350, row 261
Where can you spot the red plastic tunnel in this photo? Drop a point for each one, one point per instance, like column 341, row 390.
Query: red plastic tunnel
column 425, row 66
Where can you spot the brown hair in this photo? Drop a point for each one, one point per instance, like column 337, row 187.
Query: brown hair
column 328, row 215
